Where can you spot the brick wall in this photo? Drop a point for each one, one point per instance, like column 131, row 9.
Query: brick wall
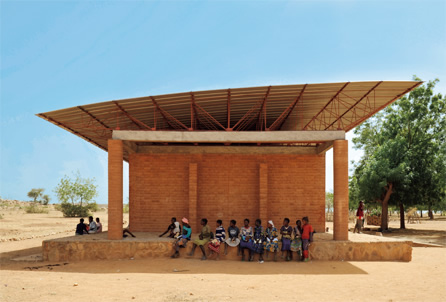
column 228, row 187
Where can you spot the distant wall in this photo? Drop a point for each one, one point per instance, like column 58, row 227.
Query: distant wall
column 225, row 186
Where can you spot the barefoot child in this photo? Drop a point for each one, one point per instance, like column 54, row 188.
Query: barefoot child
column 307, row 237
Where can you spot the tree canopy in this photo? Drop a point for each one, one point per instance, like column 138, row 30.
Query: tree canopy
column 404, row 160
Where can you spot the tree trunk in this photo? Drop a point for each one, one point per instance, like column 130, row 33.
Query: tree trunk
column 431, row 215
column 402, row 222
column 421, row 213
column 385, row 208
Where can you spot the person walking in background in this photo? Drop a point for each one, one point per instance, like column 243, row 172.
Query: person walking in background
column 271, row 243
column 359, row 218
column 307, row 237
column 203, row 238
column 181, row 240
column 220, row 236
column 233, row 240
column 246, row 234
column 286, row 231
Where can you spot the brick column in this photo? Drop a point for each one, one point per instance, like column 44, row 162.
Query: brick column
column 115, row 189
column 263, row 193
column 340, row 179
column 193, row 196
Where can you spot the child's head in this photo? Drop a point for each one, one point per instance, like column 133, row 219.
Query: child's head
column 97, row 219
column 246, row 221
column 173, row 220
column 298, row 223
column 233, row 223
column 219, row 222
column 286, row 221
column 204, row 221
column 184, row 221
column 305, row 220
column 258, row 222
column 90, row 218
column 81, row 220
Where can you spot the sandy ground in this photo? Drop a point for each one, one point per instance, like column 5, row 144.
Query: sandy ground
column 422, row 279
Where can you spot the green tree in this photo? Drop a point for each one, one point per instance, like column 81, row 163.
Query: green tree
column 404, row 153
column 76, row 195
column 329, row 202
column 35, row 194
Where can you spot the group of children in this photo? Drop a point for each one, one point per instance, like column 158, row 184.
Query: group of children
column 256, row 240
column 91, row 228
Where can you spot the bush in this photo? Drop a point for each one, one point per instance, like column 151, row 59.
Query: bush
column 74, row 210
column 58, row 207
column 126, row 208
column 34, row 208
column 93, row 207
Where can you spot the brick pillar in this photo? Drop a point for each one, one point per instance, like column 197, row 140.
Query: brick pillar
column 115, row 189
column 340, row 179
column 263, row 193
column 193, row 196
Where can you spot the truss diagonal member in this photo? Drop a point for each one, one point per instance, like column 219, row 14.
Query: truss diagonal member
column 93, row 117
column 262, row 111
column 358, row 122
column 326, row 105
column 247, row 114
column 354, row 105
column 207, row 115
column 138, row 123
column 168, row 117
column 277, row 124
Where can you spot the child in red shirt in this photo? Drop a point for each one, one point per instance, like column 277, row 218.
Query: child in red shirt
column 307, row 237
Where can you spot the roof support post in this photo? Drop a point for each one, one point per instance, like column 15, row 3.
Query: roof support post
column 115, row 189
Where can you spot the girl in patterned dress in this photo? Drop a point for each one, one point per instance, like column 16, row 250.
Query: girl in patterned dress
column 286, row 231
column 257, row 246
column 214, row 245
column 246, row 234
column 271, row 243
column 296, row 244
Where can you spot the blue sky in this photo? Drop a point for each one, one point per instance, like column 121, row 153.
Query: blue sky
column 59, row 54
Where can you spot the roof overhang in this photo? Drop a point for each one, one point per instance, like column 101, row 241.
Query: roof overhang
column 238, row 112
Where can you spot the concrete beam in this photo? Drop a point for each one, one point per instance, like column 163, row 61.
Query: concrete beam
column 296, row 150
column 229, row 136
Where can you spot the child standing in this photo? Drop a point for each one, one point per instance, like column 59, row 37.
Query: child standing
column 307, row 236
column 286, row 231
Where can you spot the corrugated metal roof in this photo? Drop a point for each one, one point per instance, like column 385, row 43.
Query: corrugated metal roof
column 329, row 106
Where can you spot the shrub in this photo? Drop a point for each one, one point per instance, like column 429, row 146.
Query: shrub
column 126, row 208
column 93, row 207
column 74, row 210
column 34, row 208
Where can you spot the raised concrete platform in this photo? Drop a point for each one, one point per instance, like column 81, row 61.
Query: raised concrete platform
column 149, row 245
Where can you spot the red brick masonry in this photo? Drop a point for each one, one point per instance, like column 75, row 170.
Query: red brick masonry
column 225, row 186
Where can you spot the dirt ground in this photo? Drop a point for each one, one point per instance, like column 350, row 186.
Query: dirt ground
column 422, row 279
